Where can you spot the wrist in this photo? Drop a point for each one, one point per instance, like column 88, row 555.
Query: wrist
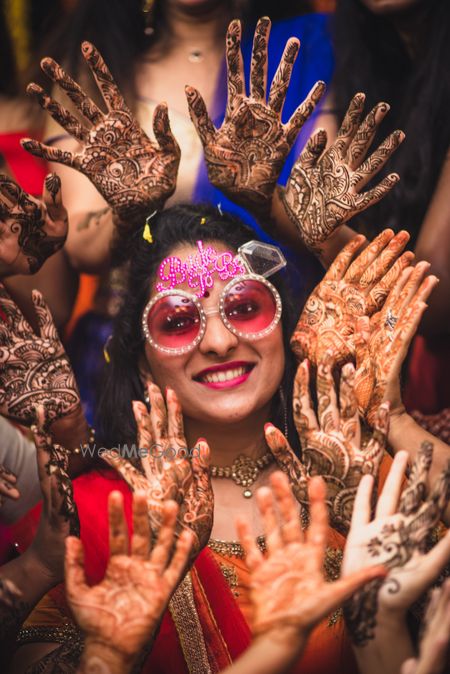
column 35, row 567
column 72, row 430
column 100, row 658
column 400, row 422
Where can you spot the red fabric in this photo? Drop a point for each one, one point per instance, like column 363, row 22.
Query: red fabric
column 29, row 171
column 428, row 385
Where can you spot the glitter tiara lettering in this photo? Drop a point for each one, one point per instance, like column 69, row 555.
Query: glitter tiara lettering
column 198, row 269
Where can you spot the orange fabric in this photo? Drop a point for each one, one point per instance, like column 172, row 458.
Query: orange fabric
column 84, row 301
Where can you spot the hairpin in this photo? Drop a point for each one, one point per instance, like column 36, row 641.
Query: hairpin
column 203, row 221
column 219, row 208
column 146, row 234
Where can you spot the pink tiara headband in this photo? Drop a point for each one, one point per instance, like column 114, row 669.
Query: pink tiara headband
column 254, row 257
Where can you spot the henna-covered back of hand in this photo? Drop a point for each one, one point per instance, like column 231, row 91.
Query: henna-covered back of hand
column 245, row 156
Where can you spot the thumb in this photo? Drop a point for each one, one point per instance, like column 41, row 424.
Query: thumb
column 52, row 197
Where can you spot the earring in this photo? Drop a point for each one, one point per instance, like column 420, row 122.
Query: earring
column 285, row 413
column 147, row 8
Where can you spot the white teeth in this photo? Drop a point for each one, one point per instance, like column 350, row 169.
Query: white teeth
column 225, row 375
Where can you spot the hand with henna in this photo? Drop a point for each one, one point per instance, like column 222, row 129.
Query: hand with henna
column 382, row 341
column 397, row 537
column 349, row 290
column 330, row 441
column 167, row 469
column 7, row 484
column 245, row 156
column 433, row 655
column 287, row 586
column 325, row 187
column 120, row 614
column 31, row 230
column 35, row 370
column 133, row 174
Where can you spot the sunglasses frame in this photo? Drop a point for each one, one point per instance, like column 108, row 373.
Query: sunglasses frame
column 203, row 314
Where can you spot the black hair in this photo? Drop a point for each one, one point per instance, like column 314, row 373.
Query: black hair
column 117, row 28
column 122, row 382
column 371, row 57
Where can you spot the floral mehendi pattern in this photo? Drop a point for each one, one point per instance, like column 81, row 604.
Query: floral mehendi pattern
column 245, row 156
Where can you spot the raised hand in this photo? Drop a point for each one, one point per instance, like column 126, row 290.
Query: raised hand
column 245, row 156
column 396, row 537
column 287, row 586
column 31, row 230
column 8, row 487
column 134, row 174
column 170, row 470
column 348, row 291
column 382, row 342
column 324, row 188
column 121, row 613
column 34, row 369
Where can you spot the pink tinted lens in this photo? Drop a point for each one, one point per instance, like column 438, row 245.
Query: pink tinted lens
column 250, row 306
column 173, row 321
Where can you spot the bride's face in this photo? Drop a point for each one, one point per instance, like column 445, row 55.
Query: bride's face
column 224, row 378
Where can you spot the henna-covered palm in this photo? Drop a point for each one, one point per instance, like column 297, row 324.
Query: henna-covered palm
column 122, row 612
column 133, row 174
column 8, row 487
column 324, row 188
column 31, row 230
column 382, row 341
column 348, row 291
column 397, row 537
column 330, row 440
column 34, row 369
column 169, row 469
column 245, row 156
column 287, row 586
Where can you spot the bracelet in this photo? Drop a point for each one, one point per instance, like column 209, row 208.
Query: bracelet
column 83, row 447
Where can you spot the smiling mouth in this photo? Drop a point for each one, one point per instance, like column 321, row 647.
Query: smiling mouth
column 223, row 376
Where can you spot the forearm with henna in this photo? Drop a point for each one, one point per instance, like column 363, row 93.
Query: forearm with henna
column 99, row 658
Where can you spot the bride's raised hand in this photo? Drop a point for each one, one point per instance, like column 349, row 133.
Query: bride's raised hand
column 245, row 156
column 134, row 174
column 325, row 187
column 287, row 585
column 168, row 469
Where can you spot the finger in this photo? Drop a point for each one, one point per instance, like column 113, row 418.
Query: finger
column 432, row 564
column 362, row 509
column 175, row 420
column 10, row 192
column 348, row 405
column 389, row 497
column 280, row 82
column 52, row 198
column 313, row 149
column 378, row 294
column 404, row 332
column 105, row 82
column 284, row 455
column 377, row 193
column 364, row 136
column 304, row 111
column 163, row 132
column 47, row 328
column 344, row 588
column 235, row 65
column 253, row 555
column 384, row 260
column 134, row 479
column 164, row 543
column 375, row 447
column 368, row 256
column 327, row 411
column 411, row 288
column 73, row 90
column 339, row 266
column 265, row 501
column 350, row 123
column 258, row 67
column 200, row 462
column 304, row 416
column 74, row 576
column 377, row 160
column 140, row 540
column 318, row 529
column 199, row 116
column 62, row 116
column 158, row 414
column 416, row 490
column 47, row 153
column 118, row 530
column 180, row 558
column 362, row 335
column 287, row 506
column 144, row 431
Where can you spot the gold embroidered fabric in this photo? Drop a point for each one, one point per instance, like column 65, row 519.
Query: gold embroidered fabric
column 184, row 614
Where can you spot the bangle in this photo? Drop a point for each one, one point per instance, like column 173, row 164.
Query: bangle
column 83, row 447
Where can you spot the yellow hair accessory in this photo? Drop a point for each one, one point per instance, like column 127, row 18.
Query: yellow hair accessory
column 202, row 221
column 146, row 234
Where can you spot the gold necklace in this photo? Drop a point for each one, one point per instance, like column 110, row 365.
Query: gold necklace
column 244, row 471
